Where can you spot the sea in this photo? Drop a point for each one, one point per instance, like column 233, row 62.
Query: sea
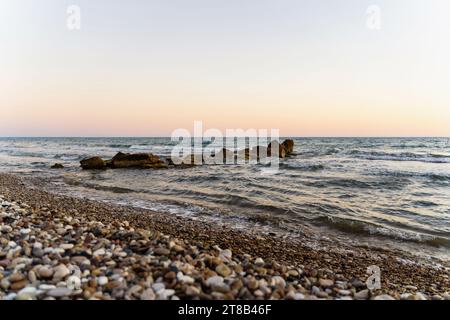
column 388, row 192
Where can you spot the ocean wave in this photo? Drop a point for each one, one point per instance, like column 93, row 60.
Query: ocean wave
column 433, row 178
column 119, row 145
column 387, row 184
column 141, row 147
column 424, row 203
column 365, row 228
column 302, row 166
column 68, row 157
column 403, row 156
column 79, row 183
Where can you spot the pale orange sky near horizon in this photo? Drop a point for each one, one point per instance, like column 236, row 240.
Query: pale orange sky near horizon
column 146, row 68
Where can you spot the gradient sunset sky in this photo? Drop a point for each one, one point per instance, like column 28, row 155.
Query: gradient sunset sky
column 145, row 68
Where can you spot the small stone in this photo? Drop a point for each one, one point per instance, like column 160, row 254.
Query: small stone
column 383, row 297
column 419, row 296
column 252, row 284
column 59, row 292
column 184, row 278
column 225, row 254
column 170, row 275
column 259, row 262
column 178, row 248
column 19, row 285
column 37, row 245
column 99, row 252
column 293, row 273
column 46, row 287
column 148, row 294
column 259, row 294
column 24, row 296
column 4, row 263
column 38, row 252
column 29, row 291
column 102, row 281
column 25, row 231
column 162, row 251
column 32, row 276
column 16, row 277
column 325, row 283
column 192, row 291
column 158, row 286
column 362, row 295
column 315, row 290
column 358, row 284
column 345, row 292
column 299, row 296
column 66, row 246
column 61, row 272
column 411, row 288
column 45, row 272
column 215, row 280
column 166, row 293
column 223, row 270
column 73, row 282
column 405, row 296
column 278, row 281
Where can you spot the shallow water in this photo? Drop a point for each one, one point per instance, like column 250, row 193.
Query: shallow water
column 397, row 189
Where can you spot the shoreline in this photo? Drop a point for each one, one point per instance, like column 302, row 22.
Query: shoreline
column 248, row 265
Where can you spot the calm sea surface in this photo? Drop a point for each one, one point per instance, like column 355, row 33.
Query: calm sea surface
column 393, row 189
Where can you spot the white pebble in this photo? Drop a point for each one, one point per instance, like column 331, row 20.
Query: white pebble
column 102, row 280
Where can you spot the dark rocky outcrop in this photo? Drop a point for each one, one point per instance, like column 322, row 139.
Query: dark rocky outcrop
column 136, row 160
column 288, row 145
column 284, row 149
column 93, row 163
column 57, row 166
column 225, row 156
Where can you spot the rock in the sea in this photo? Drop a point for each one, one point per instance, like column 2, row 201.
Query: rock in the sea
column 93, row 163
column 288, row 145
column 57, row 166
column 272, row 149
column 137, row 160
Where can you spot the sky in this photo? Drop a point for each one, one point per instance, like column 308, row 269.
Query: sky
column 146, row 68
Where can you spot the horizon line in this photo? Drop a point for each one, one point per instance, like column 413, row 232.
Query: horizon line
column 157, row 136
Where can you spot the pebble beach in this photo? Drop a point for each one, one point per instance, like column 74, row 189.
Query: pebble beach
column 60, row 247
